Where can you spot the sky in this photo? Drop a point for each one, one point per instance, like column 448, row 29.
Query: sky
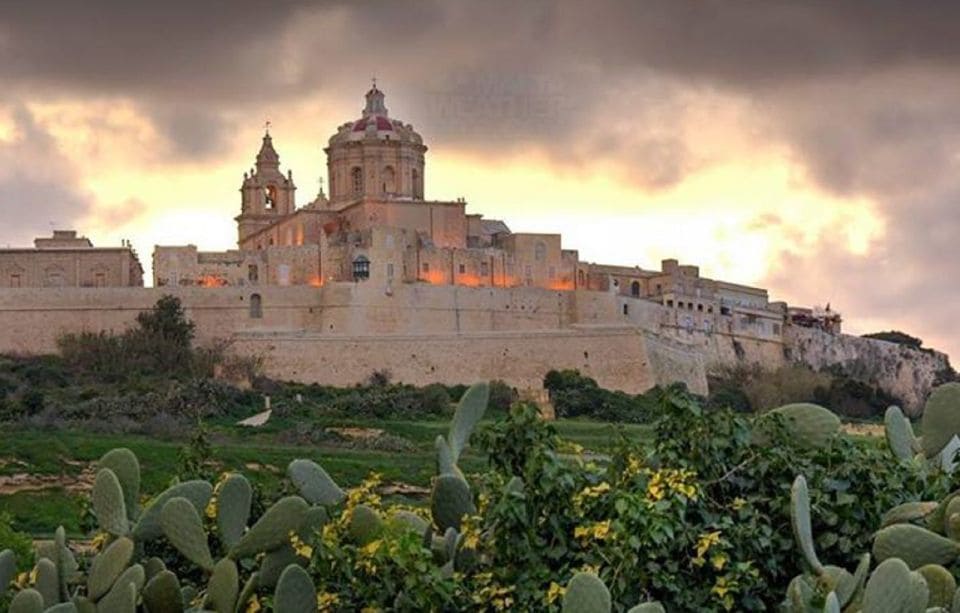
column 807, row 147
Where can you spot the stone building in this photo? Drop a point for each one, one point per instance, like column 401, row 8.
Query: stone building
column 67, row 260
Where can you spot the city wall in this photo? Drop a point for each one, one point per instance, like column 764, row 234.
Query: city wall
column 341, row 332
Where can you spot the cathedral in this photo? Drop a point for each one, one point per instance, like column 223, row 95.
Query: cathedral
column 377, row 227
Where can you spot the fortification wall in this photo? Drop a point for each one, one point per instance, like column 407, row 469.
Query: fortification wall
column 906, row 373
column 617, row 357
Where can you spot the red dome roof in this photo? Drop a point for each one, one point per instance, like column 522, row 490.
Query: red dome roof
column 382, row 123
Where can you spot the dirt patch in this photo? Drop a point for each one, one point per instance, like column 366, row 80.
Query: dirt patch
column 26, row 482
column 358, row 434
column 404, row 489
column 864, row 429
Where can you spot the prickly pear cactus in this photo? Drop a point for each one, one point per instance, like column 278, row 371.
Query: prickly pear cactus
column 469, row 412
column 914, row 545
column 586, row 593
column 450, row 501
column 648, row 607
column 295, row 592
column 162, row 593
column 908, row 512
column 47, row 581
column 273, row 528
column 941, row 418
column 365, row 524
column 314, row 484
column 800, row 520
column 941, row 585
column 8, row 568
column 810, row 425
column 233, row 508
column 27, row 601
column 446, row 464
column 126, row 467
column 107, row 566
column 184, row 529
column 108, row 503
column 223, row 587
column 899, row 434
column 892, row 588
column 197, row 492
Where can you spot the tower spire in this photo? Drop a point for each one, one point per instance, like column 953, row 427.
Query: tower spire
column 375, row 105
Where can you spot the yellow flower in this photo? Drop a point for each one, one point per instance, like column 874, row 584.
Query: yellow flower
column 253, row 605
column 326, row 601
column 555, row 592
column 719, row 560
column 302, row 549
column 371, row 548
column 738, row 503
column 599, row 530
column 99, row 540
column 704, row 543
column 23, row 581
column 370, row 610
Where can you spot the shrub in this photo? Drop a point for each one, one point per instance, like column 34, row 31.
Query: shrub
column 574, row 395
column 435, row 399
column 21, row 544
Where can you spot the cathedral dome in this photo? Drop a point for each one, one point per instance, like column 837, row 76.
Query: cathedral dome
column 375, row 123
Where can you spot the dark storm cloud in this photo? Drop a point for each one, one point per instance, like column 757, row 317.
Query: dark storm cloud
column 37, row 185
column 863, row 93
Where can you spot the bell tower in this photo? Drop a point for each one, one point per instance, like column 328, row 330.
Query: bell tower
column 267, row 195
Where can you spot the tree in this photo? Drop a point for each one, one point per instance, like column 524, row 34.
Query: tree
column 168, row 321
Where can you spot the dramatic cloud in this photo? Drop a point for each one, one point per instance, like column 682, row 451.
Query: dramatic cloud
column 811, row 146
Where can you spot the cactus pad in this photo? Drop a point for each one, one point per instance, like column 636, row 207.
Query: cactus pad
column 941, row 418
column 892, row 587
column 153, row 567
column 107, row 566
column 295, row 592
column 450, row 501
column 273, row 528
column 108, row 504
column 810, row 425
column 941, row 584
column 162, row 593
column 248, row 590
column 469, row 412
column 586, row 593
column 907, row 512
column 63, row 607
column 48, row 581
column 197, row 492
column 8, row 568
column 648, row 607
column 126, row 467
column 446, row 464
column 899, row 433
column 223, row 587
column 314, row 484
column 800, row 520
column 365, row 524
column 407, row 521
column 233, row 508
column 914, row 545
column 183, row 528
column 274, row 562
column 121, row 599
column 27, row 601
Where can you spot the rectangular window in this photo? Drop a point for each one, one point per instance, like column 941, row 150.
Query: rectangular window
column 100, row 280
column 14, row 280
column 426, row 267
column 463, row 269
column 670, row 303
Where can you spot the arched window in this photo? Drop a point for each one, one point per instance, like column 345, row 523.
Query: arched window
column 357, row 174
column 256, row 306
column 270, row 197
column 253, row 273
column 361, row 268
column 635, row 289
column 540, row 251
column 416, row 184
column 389, row 180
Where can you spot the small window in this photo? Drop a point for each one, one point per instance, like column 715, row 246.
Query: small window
column 426, row 267
column 361, row 268
column 626, row 309
column 253, row 273
column 700, row 307
column 15, row 280
column 256, row 306
column 463, row 269
column 357, row 174
column 100, row 279
column 724, row 310
column 670, row 303
column 689, row 306
column 635, row 289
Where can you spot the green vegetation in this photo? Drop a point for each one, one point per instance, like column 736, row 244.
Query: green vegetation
column 526, row 520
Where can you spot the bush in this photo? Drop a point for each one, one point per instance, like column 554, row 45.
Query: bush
column 21, row 544
column 575, row 395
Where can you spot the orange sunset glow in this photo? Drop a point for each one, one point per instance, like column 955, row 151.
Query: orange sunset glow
column 611, row 127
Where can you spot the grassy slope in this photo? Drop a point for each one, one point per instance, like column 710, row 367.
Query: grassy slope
column 255, row 452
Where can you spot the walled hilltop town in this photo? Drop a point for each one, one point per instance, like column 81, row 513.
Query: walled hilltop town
column 375, row 276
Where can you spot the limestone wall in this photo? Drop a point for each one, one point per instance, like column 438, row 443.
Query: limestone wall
column 905, row 373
